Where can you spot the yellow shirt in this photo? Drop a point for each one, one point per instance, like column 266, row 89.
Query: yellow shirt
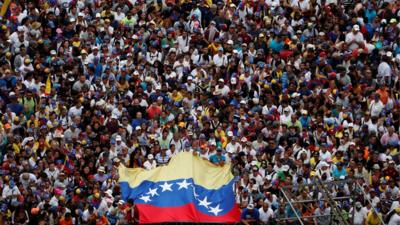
column 16, row 148
column 177, row 98
column 373, row 220
column 35, row 122
column 213, row 47
column 336, row 160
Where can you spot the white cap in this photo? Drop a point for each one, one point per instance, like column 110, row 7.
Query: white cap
column 356, row 27
column 20, row 28
column 323, row 163
column 53, row 52
column 389, row 54
column 150, row 156
column 235, row 51
column 108, row 192
column 190, row 78
column 230, row 134
column 81, row 14
column 233, row 80
column 135, row 37
column 138, row 128
column 229, row 42
column 285, row 168
column 118, row 138
column 221, row 80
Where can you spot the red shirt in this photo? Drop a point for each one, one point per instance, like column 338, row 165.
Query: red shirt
column 153, row 111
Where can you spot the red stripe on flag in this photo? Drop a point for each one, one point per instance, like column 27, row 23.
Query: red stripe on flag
column 185, row 213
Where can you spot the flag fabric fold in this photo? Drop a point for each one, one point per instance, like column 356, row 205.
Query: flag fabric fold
column 188, row 189
column 47, row 89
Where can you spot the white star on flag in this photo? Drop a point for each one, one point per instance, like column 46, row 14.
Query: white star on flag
column 215, row 210
column 204, row 202
column 145, row 198
column 152, row 192
column 183, row 184
column 166, row 187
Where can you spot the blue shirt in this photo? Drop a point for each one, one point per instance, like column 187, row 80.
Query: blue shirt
column 217, row 159
column 250, row 215
column 276, row 46
column 16, row 108
column 138, row 122
column 338, row 173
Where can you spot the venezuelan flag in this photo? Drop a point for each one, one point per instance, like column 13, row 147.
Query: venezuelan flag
column 188, row 189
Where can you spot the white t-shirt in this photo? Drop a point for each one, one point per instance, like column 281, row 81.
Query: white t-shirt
column 376, row 107
column 351, row 37
column 303, row 5
column 359, row 216
column 220, row 60
column 384, row 70
column 266, row 216
column 232, row 148
column 150, row 165
column 224, row 90
column 394, row 220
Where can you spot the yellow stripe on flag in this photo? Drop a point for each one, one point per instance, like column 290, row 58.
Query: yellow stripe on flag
column 182, row 166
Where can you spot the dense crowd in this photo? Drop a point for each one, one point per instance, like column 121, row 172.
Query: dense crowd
column 290, row 92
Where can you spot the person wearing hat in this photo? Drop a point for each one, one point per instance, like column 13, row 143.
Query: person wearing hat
column 339, row 171
column 222, row 88
column 150, row 163
column 10, row 191
column 355, row 38
column 374, row 217
column 218, row 158
column 255, row 174
column 211, row 32
column 101, row 175
column 250, row 215
column 220, row 59
column 391, row 170
column 394, row 217
column 232, row 144
column 385, row 71
column 360, row 214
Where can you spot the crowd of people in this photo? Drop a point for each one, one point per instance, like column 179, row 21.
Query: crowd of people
column 290, row 92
